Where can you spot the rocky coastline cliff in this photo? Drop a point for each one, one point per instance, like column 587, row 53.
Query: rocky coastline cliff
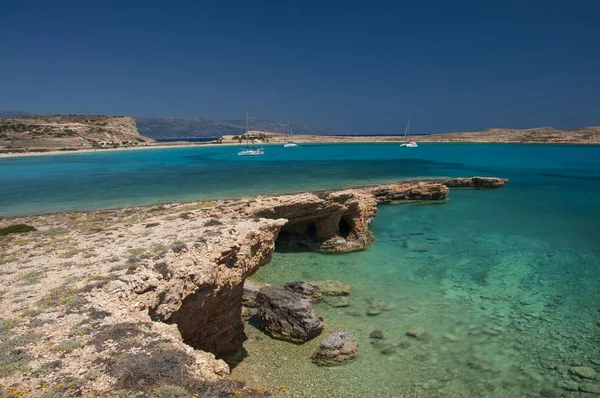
column 101, row 302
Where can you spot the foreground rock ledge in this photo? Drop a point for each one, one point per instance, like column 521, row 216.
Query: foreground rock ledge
column 156, row 280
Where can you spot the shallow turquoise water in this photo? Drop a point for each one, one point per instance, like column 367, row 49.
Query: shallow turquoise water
column 512, row 274
column 41, row 184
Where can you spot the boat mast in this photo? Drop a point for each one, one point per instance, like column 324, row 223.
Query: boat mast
column 406, row 131
column 247, row 146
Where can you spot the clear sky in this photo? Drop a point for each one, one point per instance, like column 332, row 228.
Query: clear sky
column 353, row 66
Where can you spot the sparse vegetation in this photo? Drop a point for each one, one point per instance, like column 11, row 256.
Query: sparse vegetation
column 30, row 278
column 213, row 222
column 17, row 229
column 13, row 356
column 67, row 297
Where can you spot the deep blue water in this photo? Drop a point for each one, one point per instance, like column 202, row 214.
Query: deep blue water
column 505, row 281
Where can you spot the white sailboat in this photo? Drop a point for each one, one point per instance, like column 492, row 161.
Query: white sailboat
column 250, row 151
column 291, row 142
column 408, row 144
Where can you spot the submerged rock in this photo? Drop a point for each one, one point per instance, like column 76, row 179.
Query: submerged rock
column 404, row 344
column 376, row 334
column 419, row 334
column 377, row 307
column 451, row 337
column 590, row 387
column 379, row 344
column 287, row 315
column 583, row 371
column 333, row 288
column 338, row 301
column 337, row 349
column 568, row 385
column 388, row 351
column 250, row 291
column 307, row 290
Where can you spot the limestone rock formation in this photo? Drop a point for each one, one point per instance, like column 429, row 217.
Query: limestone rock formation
column 287, row 315
column 203, row 295
column 307, row 290
column 475, row 182
column 337, row 349
column 181, row 283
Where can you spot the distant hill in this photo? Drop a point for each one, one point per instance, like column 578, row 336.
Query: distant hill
column 46, row 132
column 174, row 127
column 539, row 135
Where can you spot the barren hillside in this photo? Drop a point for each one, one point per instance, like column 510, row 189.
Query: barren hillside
column 68, row 132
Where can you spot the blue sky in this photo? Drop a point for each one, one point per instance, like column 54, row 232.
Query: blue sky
column 353, row 66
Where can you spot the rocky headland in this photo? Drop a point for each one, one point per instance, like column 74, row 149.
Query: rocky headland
column 68, row 132
column 138, row 300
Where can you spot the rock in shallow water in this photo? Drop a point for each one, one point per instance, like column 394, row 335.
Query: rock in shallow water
column 337, row 349
column 307, row 290
column 376, row 334
column 287, row 315
column 333, row 288
column 419, row 334
column 250, row 291
column 338, row 302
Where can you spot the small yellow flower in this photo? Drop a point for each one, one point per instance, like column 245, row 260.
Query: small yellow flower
column 249, row 391
column 237, row 392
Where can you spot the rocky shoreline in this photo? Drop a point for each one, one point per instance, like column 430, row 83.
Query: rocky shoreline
column 98, row 302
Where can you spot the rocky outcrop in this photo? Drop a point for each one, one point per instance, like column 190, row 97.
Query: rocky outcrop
column 474, row 182
column 287, row 315
column 204, row 289
column 408, row 191
column 337, row 349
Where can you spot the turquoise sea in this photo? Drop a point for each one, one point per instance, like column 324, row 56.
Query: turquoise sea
column 506, row 282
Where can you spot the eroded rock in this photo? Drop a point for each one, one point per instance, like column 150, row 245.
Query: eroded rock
column 337, row 349
column 287, row 315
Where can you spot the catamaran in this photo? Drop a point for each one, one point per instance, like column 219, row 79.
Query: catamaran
column 250, row 151
column 291, row 142
column 408, row 144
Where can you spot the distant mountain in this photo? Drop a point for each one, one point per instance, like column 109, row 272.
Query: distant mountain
column 174, row 127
